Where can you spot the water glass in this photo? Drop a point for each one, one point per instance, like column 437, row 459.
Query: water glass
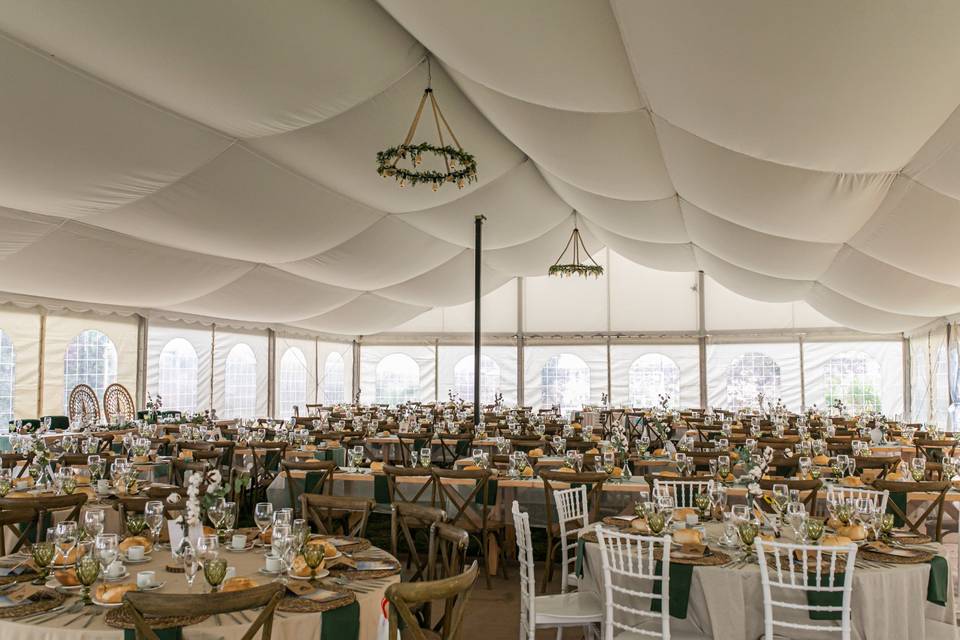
column 214, row 571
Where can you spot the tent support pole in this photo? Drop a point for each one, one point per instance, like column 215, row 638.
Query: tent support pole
column 803, row 376
column 520, row 398
column 477, row 249
column 142, row 328
column 272, row 373
column 907, row 389
column 702, row 340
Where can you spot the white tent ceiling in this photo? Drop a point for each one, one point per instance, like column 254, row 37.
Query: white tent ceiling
column 217, row 157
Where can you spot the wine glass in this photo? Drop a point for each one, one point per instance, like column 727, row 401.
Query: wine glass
column 207, row 548
column 65, row 538
column 262, row 517
column 105, row 547
column 796, row 516
column 215, row 512
column 781, row 496
column 299, row 532
column 93, row 520
column 414, row 458
column 214, row 571
column 42, row 553
column 87, row 570
column 188, row 556
column 313, row 556
column 425, row 456
column 153, row 514
column 230, row 516
column 682, row 464
column 918, row 468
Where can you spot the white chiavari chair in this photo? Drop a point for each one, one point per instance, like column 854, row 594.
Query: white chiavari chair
column 573, row 516
column 629, row 585
column 578, row 609
column 838, row 493
column 683, row 491
column 789, row 572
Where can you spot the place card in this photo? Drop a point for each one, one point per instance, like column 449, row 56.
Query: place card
column 374, row 565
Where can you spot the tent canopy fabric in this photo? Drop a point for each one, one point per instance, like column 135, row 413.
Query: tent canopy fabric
column 217, row 158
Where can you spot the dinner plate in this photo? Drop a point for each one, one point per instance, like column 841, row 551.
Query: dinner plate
column 106, row 578
column 53, row 583
column 108, row 605
column 153, row 587
column 142, row 560
column 233, row 550
column 322, row 573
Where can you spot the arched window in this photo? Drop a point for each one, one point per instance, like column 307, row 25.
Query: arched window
column 293, row 382
column 240, row 386
column 333, row 375
column 489, row 379
column 178, row 376
column 7, row 377
column 565, row 381
column 90, row 359
column 750, row 375
column 853, row 377
column 398, row 379
column 651, row 376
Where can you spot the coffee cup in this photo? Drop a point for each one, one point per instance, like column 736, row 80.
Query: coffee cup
column 272, row 563
column 239, row 541
column 116, row 569
column 135, row 552
column 145, row 579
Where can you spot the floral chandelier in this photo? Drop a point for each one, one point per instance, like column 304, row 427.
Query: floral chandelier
column 460, row 166
column 575, row 267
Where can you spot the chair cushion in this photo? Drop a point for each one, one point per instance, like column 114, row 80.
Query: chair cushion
column 569, row 607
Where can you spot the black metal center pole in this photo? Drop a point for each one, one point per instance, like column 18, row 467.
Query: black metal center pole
column 478, row 247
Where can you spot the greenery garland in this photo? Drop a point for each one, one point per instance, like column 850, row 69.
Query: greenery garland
column 576, row 270
column 465, row 174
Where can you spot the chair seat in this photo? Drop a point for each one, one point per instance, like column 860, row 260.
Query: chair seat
column 674, row 635
column 939, row 630
column 569, row 608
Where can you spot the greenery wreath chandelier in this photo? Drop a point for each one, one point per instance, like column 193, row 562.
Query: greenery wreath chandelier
column 461, row 167
column 575, row 267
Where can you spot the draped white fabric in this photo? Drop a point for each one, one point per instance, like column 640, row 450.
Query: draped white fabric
column 215, row 160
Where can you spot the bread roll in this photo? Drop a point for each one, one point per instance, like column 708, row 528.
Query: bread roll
column 239, row 584
column 376, row 467
column 472, row 467
column 680, row 513
column 821, row 459
column 113, row 594
column 853, row 532
column 852, row 481
column 136, row 541
column 687, row 536
column 329, row 550
column 67, row 577
column 300, row 568
column 535, row 453
column 71, row 557
column 565, row 470
column 527, row 472
column 640, row 525
column 594, row 452
column 835, row 541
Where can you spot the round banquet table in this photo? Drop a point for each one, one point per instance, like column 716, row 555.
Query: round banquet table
column 727, row 602
column 286, row 625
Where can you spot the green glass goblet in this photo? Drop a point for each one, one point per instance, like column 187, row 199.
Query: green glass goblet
column 136, row 524
column 88, row 570
column 702, row 502
column 42, row 553
column 214, row 571
column 814, row 529
column 747, row 531
column 313, row 555
column 656, row 522
column 886, row 523
column 69, row 485
column 5, row 486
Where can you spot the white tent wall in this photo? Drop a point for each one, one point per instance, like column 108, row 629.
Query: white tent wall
column 929, row 378
column 64, row 327
column 883, row 359
column 567, row 304
column 504, row 357
column 295, row 374
column 736, row 373
column 22, row 328
column 246, row 343
column 593, row 356
column 327, row 352
column 162, row 334
column 684, row 356
column 372, row 366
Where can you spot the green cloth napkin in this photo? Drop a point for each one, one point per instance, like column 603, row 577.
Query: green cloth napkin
column 681, row 575
column 173, row 633
column 342, row 623
column 311, row 480
column 381, row 492
column 825, row 598
column 938, row 584
column 581, row 549
column 900, row 499
column 491, row 493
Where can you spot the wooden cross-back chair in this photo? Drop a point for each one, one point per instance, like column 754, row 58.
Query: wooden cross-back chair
column 406, row 518
column 470, row 509
column 326, row 512
column 413, row 490
column 460, row 448
column 18, row 463
column 811, row 486
column 412, row 441
column 16, row 520
column 266, row 464
column 83, row 404
column 883, row 465
column 594, row 483
column 117, row 403
column 318, row 477
column 403, row 596
column 142, row 606
column 181, row 467
column 43, row 508
column 937, row 487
